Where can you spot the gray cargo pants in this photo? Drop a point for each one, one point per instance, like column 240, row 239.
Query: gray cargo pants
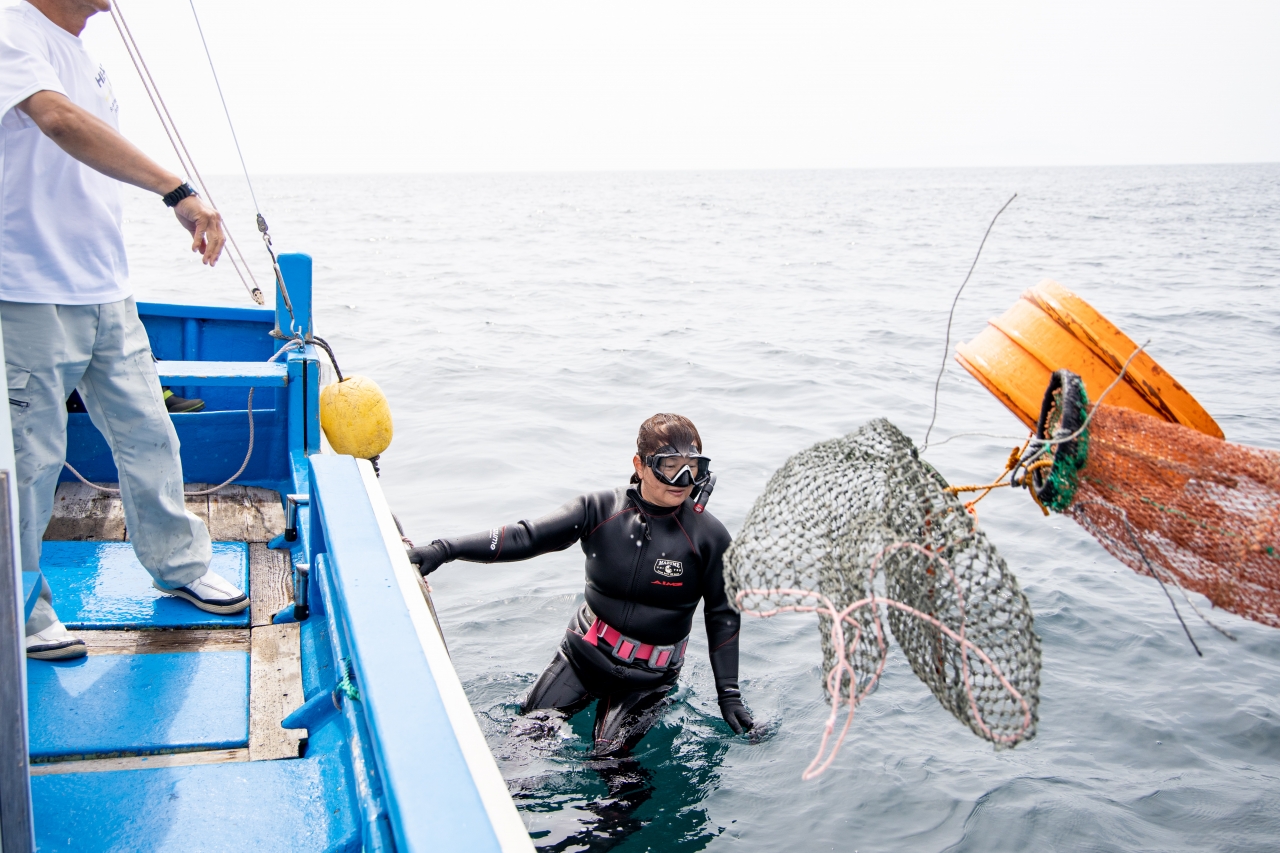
column 103, row 351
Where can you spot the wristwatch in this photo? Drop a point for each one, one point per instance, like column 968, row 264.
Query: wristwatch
column 184, row 190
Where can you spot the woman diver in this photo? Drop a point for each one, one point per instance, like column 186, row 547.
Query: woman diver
column 652, row 554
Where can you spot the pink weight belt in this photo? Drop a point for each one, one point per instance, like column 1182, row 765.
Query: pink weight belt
column 629, row 650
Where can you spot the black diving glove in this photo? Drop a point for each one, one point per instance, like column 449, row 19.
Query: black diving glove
column 428, row 558
column 735, row 713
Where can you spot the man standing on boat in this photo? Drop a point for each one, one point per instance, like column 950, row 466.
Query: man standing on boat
column 69, row 319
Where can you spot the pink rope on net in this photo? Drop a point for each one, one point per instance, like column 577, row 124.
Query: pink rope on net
column 836, row 676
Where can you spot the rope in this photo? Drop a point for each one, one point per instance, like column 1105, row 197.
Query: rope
column 324, row 345
column 179, row 145
column 860, row 530
column 293, row 344
column 1050, row 442
column 843, row 667
column 261, row 220
column 946, row 347
column 227, row 112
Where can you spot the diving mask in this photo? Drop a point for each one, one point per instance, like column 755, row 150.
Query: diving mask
column 679, row 468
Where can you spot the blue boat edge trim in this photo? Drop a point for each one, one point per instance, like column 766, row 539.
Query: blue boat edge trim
column 503, row 815
column 431, row 796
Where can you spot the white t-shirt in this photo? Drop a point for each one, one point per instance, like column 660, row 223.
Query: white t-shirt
column 60, row 220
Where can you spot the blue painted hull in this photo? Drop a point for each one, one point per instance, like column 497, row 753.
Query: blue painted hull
column 394, row 759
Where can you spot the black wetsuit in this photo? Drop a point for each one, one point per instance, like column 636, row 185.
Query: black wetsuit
column 647, row 569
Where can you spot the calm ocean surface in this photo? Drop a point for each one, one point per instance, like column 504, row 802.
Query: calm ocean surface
column 523, row 326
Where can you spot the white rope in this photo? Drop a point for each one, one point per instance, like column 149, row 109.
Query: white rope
column 180, row 146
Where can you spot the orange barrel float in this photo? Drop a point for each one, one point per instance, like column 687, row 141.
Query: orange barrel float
column 1050, row 328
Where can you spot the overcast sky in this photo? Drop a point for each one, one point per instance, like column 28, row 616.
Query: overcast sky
column 424, row 86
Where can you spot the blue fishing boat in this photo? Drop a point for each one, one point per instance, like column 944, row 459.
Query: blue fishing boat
column 326, row 717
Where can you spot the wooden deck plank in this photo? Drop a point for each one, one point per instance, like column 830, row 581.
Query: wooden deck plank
column 245, row 514
column 275, row 691
column 233, row 514
column 82, row 512
column 142, row 762
column 159, row 642
column 270, row 583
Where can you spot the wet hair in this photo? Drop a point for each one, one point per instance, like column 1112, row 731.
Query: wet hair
column 664, row 430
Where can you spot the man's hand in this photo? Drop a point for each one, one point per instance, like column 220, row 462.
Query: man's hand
column 428, row 558
column 100, row 146
column 205, row 225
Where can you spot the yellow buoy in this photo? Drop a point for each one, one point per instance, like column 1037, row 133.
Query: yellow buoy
column 355, row 417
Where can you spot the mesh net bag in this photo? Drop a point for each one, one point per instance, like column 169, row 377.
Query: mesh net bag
column 1166, row 500
column 837, row 515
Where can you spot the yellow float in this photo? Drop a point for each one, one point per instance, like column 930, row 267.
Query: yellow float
column 355, row 417
column 1050, row 328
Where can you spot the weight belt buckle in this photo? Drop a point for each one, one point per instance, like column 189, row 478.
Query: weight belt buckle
column 656, row 659
column 629, row 645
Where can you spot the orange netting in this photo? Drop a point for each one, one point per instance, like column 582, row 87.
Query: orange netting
column 1182, row 506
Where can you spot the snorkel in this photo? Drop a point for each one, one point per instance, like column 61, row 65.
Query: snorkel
column 702, row 494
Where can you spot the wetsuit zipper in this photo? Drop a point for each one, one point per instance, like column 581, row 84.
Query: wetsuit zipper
column 635, row 566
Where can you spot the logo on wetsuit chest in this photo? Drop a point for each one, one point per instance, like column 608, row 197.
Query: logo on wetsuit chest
column 668, row 568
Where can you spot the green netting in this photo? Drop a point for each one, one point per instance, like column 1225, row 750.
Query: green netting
column 859, row 526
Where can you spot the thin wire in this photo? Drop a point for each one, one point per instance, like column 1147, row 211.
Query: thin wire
column 262, row 222
column 1042, row 443
column 225, row 110
column 946, row 347
column 178, row 143
column 980, row 434
column 1124, row 518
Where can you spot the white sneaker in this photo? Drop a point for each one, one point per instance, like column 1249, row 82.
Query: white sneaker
column 55, row 643
column 210, row 592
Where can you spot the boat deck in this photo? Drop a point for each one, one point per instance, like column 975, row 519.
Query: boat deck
column 173, row 706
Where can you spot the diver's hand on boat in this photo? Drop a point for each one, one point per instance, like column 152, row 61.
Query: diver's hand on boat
column 428, row 558
column 205, row 225
column 735, row 713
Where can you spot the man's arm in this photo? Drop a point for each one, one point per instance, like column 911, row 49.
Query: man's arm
column 98, row 145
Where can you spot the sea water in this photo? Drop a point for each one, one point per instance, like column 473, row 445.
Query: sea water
column 523, row 325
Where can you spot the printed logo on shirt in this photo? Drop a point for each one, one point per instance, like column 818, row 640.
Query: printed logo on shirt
column 669, row 568
column 108, row 94
column 493, row 538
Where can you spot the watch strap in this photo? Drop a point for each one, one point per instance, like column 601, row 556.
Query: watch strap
column 184, row 190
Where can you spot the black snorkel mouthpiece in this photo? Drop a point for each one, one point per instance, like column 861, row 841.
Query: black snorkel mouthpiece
column 703, row 493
